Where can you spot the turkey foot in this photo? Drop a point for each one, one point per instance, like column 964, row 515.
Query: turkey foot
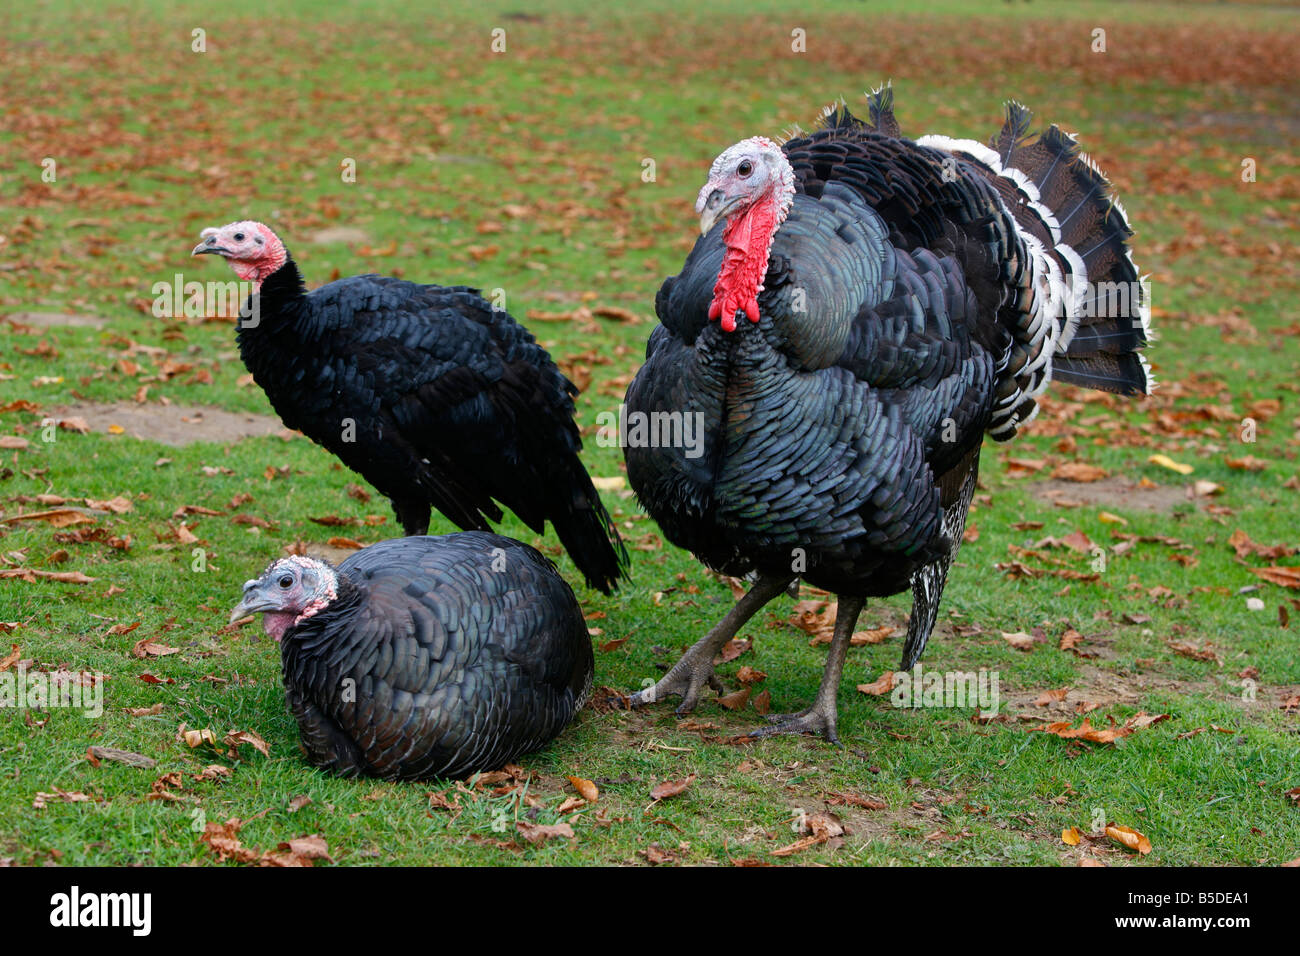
column 810, row 721
column 694, row 669
column 692, row 672
column 821, row 717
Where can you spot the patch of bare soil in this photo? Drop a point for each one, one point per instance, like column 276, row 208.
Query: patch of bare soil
column 1098, row 689
column 175, row 425
column 1113, row 492
column 327, row 552
column 346, row 234
column 56, row 320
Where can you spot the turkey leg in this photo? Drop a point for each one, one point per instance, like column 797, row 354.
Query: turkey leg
column 695, row 668
column 821, row 716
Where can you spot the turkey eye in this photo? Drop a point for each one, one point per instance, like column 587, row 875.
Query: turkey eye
column 745, row 167
column 239, row 237
column 286, row 581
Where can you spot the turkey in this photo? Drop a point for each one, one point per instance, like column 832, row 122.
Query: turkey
column 430, row 393
column 859, row 311
column 425, row 657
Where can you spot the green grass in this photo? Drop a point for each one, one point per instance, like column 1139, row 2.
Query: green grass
column 545, row 145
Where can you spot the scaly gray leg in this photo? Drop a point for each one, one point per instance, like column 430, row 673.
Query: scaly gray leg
column 695, row 668
column 821, row 716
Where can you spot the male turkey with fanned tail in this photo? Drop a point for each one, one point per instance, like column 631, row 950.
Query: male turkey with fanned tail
column 430, row 393
column 859, row 311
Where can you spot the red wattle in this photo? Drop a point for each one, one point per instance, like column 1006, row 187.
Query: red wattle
column 748, row 238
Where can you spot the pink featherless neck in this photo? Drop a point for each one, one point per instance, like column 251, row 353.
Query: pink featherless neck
column 256, row 270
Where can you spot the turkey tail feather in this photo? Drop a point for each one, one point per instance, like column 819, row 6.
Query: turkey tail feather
column 588, row 534
column 1106, row 322
column 880, row 108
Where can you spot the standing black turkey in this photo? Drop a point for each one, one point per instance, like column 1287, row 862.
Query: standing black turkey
column 431, row 394
column 425, row 656
column 870, row 308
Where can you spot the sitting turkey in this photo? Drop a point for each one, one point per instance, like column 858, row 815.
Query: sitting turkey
column 859, row 312
column 425, row 657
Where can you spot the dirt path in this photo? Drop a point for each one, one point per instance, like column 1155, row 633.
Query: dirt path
column 175, row 425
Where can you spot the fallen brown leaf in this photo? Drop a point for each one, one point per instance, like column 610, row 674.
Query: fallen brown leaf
column 237, row 737
column 1099, row 735
column 671, row 788
column 55, row 517
column 882, row 685
column 856, row 800
column 145, row 711
column 585, row 788
column 147, row 647
column 656, row 855
column 121, row 756
column 736, row 700
column 1019, row 640
column 1129, row 838
column 539, row 833
column 1078, row 471
column 1288, row 577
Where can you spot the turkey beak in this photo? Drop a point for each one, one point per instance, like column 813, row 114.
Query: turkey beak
column 714, row 205
column 254, row 602
column 209, row 246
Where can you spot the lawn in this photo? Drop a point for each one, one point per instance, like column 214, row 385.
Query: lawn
column 561, row 171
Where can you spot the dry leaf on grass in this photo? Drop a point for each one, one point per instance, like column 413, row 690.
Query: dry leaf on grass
column 882, row 685
column 1070, row 642
column 1287, row 577
column 671, row 788
column 856, row 800
column 585, row 788
column 1019, row 640
column 147, row 647
column 735, row 700
column 237, row 737
column 538, row 833
column 816, row 618
column 56, row 517
column 1184, row 649
column 31, row 575
column 97, row 754
column 42, row 798
column 1129, row 838
column 1078, row 471
column 1100, row 735
column 873, row 635
column 197, row 738
column 1164, row 461
column 734, row 648
column 819, row 827
column 223, row 840
column 656, row 855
